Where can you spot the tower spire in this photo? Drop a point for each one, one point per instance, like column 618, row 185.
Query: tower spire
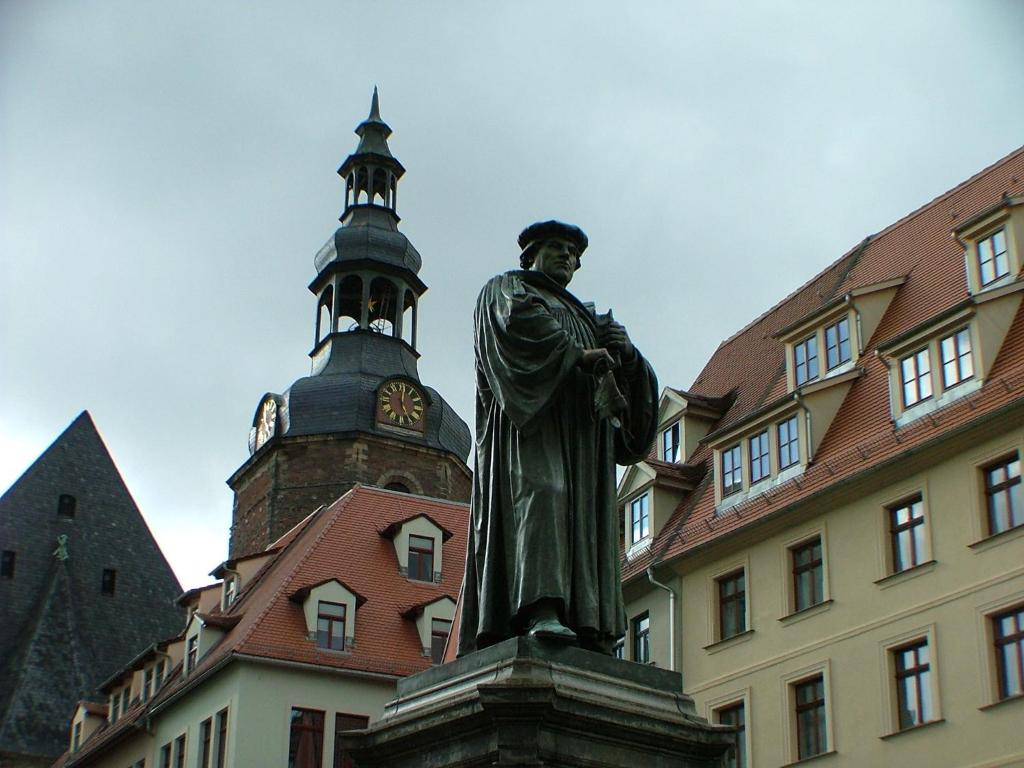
column 371, row 173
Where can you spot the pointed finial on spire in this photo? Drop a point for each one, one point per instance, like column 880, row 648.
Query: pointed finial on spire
column 375, row 107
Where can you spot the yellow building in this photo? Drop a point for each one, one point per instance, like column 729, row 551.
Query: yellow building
column 828, row 541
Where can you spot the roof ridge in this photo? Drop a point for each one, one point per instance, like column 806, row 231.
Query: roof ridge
column 424, row 497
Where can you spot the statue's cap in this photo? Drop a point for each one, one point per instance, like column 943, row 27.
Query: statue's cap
column 545, row 230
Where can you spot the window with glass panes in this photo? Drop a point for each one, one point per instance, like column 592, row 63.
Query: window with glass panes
column 789, row 443
column 147, row 683
column 732, row 605
column 205, row 742
column 732, row 470
column 1003, row 495
column 670, row 443
column 330, row 625
column 1008, row 636
column 735, row 716
column 7, row 560
column 811, row 733
column 439, row 631
column 192, row 654
column 913, row 684
column 165, row 756
column 992, row 259
column 222, row 738
column 759, row 457
column 306, row 738
column 640, row 518
column 344, row 723
column 916, row 377
column 619, row 651
column 179, row 752
column 642, row 638
column 957, row 363
column 805, row 360
column 906, row 528
column 808, row 574
column 421, row 558
column 837, row 344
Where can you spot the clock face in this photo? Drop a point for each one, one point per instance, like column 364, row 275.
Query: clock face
column 401, row 404
column 267, row 422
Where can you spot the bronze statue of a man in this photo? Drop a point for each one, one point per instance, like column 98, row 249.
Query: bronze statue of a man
column 562, row 396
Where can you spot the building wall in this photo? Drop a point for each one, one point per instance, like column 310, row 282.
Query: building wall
column 865, row 613
column 296, row 475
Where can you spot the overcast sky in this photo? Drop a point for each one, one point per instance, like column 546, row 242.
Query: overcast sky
column 167, row 173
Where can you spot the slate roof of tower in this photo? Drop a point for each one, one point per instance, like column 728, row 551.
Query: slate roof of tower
column 344, row 541
column 55, row 640
column 751, row 364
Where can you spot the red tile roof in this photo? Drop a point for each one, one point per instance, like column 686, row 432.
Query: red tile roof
column 751, row 363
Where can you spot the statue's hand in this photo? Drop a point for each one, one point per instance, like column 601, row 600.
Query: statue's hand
column 615, row 338
column 596, row 359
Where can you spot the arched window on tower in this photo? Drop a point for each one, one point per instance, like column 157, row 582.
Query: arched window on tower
column 380, row 187
column 350, row 300
column 409, row 320
column 323, row 314
column 383, row 306
column 361, row 193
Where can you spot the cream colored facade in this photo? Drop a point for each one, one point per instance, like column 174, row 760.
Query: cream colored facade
column 867, row 611
column 258, row 696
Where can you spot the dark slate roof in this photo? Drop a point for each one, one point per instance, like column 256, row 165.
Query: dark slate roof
column 56, row 645
column 370, row 234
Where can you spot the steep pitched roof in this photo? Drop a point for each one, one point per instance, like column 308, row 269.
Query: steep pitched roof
column 919, row 248
column 55, row 641
column 342, row 542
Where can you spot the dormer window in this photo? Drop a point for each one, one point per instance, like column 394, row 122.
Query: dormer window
column 439, row 631
column 805, row 360
column 993, row 262
column 759, row 457
column 837, row 344
column 640, row 518
column 230, row 590
column 789, row 442
column 670, row 441
column 147, row 683
column 192, row 655
column 915, row 377
column 330, row 625
column 421, row 558
column 957, row 363
column 732, row 470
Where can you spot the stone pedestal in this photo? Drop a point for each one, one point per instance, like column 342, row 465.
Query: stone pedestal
column 526, row 702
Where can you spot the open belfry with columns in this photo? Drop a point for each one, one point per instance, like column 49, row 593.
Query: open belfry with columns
column 362, row 415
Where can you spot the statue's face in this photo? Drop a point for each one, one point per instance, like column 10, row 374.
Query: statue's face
column 556, row 258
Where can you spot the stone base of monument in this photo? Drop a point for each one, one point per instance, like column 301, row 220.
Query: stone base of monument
column 526, row 702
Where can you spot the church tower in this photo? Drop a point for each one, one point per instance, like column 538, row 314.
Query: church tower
column 362, row 415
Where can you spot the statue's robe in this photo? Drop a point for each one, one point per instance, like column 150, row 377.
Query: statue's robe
column 544, row 520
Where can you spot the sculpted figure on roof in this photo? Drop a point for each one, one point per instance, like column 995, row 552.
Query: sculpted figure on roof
column 562, row 396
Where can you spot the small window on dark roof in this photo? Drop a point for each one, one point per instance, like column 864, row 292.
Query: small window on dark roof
column 109, row 581
column 66, row 505
column 7, row 564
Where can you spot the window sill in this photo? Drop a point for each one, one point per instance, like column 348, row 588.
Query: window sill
column 1019, row 697
column 638, row 548
column 806, row 613
column 1010, row 534
column 813, row 757
column 907, row 573
column 912, row 729
column 736, row 639
column 761, row 486
column 932, row 403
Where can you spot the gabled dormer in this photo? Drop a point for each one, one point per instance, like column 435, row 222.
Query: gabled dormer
column 993, row 241
column 948, row 356
column 433, row 624
column 827, row 342
column 201, row 599
column 237, row 572
column 202, row 635
column 88, row 717
column 329, row 608
column 648, row 494
column 683, row 420
column 419, row 547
